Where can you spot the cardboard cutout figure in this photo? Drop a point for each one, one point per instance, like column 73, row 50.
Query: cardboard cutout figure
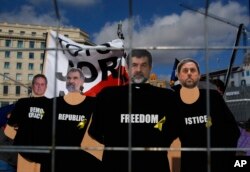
column 188, row 96
column 88, row 144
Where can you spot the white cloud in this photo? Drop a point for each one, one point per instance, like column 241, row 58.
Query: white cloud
column 74, row 3
column 43, row 12
column 28, row 15
column 186, row 29
column 80, row 2
column 175, row 30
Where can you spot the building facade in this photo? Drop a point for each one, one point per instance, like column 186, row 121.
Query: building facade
column 22, row 52
column 237, row 94
column 153, row 80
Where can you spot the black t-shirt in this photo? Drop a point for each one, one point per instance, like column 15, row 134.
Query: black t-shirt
column 34, row 118
column 154, row 121
column 224, row 132
column 71, row 122
column 29, row 116
column 28, row 110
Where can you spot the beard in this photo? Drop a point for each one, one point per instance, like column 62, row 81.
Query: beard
column 138, row 78
column 71, row 87
column 190, row 83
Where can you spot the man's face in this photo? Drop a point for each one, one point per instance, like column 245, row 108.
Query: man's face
column 74, row 82
column 39, row 87
column 140, row 70
column 189, row 75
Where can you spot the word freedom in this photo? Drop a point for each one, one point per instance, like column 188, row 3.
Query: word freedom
column 139, row 118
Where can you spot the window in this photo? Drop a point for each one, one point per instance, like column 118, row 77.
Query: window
column 232, row 75
column 42, row 56
column 6, row 65
column 18, row 90
column 30, row 77
column 19, row 55
column 22, row 32
column 5, row 89
column 248, row 73
column 11, row 32
column 232, row 84
column 242, row 73
column 19, row 44
column 42, row 44
column 31, row 66
column 7, row 54
column 41, row 67
column 44, row 34
column 31, row 55
column 6, row 76
column 243, row 82
column 33, row 33
column 18, row 77
column 7, row 43
column 19, row 66
column 66, row 35
column 32, row 44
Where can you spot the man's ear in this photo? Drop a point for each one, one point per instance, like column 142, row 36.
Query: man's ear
column 176, row 74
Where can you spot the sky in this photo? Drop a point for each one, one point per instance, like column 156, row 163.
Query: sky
column 168, row 29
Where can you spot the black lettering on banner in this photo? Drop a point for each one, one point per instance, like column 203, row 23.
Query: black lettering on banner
column 73, row 49
column 60, row 43
column 60, row 76
column 93, row 70
column 106, row 65
column 71, row 64
column 104, row 51
column 87, row 52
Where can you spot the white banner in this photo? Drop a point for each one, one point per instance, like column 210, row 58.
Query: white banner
column 101, row 67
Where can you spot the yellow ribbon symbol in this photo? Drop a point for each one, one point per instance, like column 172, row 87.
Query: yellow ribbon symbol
column 82, row 124
column 160, row 123
column 42, row 113
column 209, row 122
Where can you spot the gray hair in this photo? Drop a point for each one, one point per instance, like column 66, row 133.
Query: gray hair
column 73, row 69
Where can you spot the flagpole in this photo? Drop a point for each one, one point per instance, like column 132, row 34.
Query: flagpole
column 173, row 74
column 120, row 35
column 233, row 56
column 119, row 31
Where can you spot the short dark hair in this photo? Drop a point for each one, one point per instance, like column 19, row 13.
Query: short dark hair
column 39, row 76
column 139, row 53
column 184, row 61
